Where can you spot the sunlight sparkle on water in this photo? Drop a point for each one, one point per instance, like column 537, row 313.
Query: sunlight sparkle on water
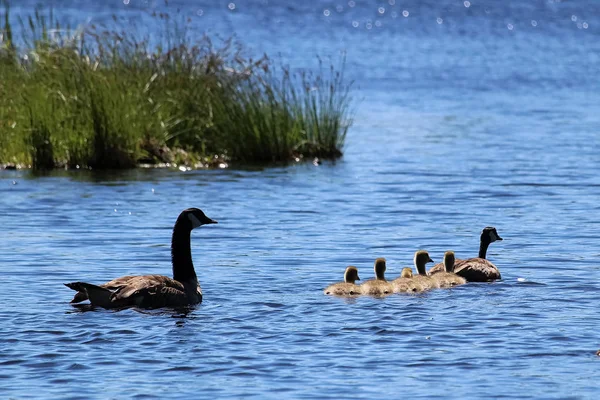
column 405, row 13
column 467, row 4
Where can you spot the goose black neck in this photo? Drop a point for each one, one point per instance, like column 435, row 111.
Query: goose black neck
column 181, row 253
column 483, row 246
column 421, row 269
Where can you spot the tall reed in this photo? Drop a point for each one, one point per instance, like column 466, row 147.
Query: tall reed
column 101, row 97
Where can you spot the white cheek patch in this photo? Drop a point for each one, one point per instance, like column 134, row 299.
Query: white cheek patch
column 195, row 221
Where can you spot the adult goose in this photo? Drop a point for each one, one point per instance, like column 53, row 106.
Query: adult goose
column 448, row 278
column 348, row 287
column 420, row 261
column 476, row 269
column 378, row 286
column 405, row 282
column 154, row 291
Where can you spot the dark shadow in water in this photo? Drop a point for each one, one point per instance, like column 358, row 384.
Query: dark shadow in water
column 180, row 313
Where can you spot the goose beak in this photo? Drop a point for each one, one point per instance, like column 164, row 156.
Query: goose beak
column 430, row 260
column 498, row 238
column 358, row 278
column 212, row 221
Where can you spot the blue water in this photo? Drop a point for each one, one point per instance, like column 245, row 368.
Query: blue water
column 473, row 119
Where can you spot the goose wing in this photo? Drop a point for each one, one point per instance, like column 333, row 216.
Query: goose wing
column 151, row 291
column 476, row 270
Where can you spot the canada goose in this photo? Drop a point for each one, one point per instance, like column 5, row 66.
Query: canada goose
column 154, row 291
column 348, row 287
column 405, row 284
column 378, row 286
column 476, row 269
column 448, row 278
column 420, row 260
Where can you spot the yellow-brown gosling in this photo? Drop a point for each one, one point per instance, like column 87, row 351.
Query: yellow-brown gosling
column 378, row 286
column 405, row 283
column 420, row 260
column 448, row 278
column 476, row 269
column 348, row 287
column 154, row 291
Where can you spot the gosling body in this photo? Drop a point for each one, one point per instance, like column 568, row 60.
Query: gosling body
column 448, row 278
column 378, row 286
column 420, row 260
column 405, row 282
column 348, row 287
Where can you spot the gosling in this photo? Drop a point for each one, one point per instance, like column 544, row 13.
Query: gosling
column 405, row 283
column 378, row 286
column 420, row 260
column 449, row 278
column 348, row 287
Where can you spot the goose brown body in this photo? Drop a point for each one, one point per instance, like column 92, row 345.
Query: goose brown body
column 448, row 278
column 378, row 286
column 153, row 291
column 476, row 269
column 348, row 287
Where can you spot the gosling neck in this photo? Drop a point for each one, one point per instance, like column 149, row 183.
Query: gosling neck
column 421, row 268
column 181, row 253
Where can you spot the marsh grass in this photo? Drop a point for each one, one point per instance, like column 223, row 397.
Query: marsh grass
column 100, row 98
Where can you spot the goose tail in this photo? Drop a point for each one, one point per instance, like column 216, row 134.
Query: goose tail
column 97, row 295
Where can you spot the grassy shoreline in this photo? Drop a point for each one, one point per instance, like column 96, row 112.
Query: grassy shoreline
column 101, row 98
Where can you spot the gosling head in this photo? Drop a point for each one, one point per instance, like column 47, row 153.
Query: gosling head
column 449, row 261
column 489, row 235
column 406, row 273
column 380, row 268
column 351, row 274
column 194, row 217
column 422, row 258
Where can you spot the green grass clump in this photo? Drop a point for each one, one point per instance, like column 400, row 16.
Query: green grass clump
column 102, row 99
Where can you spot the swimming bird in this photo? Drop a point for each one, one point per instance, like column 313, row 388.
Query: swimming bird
column 378, row 286
column 348, row 287
column 448, row 278
column 476, row 269
column 405, row 282
column 420, row 260
column 154, row 291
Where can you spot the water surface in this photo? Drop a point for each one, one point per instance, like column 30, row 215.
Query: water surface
column 482, row 118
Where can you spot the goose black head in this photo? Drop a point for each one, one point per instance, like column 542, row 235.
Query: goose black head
column 421, row 258
column 380, row 268
column 449, row 261
column 351, row 274
column 406, row 273
column 489, row 235
column 195, row 218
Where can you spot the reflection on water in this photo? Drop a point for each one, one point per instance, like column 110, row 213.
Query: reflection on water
column 461, row 125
